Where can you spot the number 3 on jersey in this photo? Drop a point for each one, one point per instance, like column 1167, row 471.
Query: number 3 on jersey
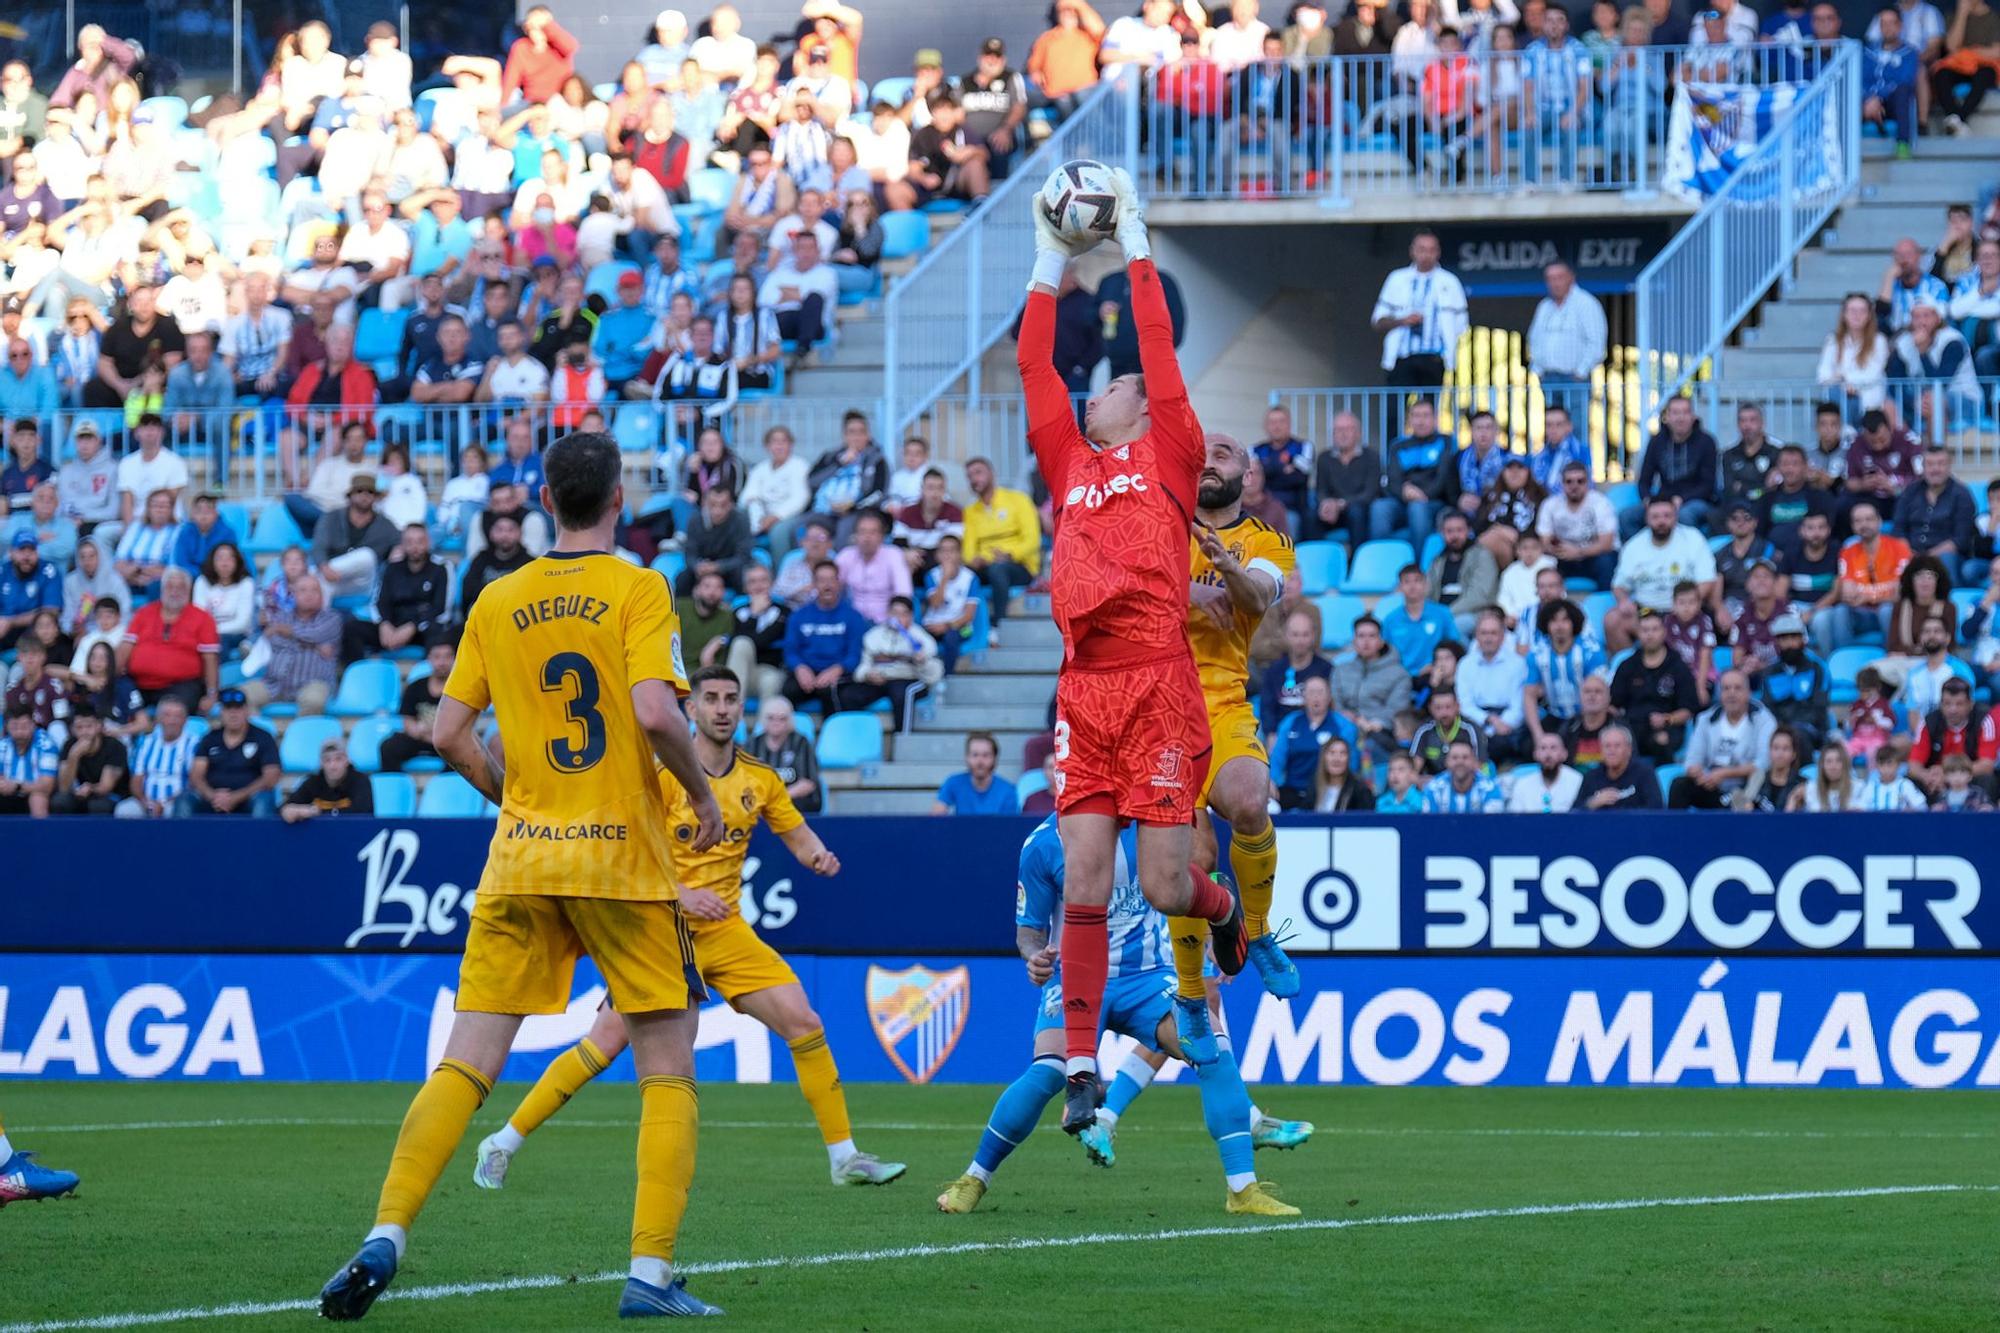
column 567, row 672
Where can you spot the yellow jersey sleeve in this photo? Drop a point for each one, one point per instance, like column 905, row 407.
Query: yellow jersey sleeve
column 653, row 637
column 1222, row 655
column 468, row 683
column 555, row 646
column 780, row 815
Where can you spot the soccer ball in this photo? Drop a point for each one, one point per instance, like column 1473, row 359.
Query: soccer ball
column 1079, row 201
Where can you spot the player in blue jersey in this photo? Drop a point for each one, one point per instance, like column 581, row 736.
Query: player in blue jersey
column 1138, row 1002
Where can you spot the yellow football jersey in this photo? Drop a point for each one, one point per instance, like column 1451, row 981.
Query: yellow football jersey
column 1223, row 656
column 748, row 790
column 555, row 648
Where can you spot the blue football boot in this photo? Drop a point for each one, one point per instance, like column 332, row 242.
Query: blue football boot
column 643, row 1300
column 349, row 1293
column 24, row 1180
column 1279, row 973
column 1196, row 1032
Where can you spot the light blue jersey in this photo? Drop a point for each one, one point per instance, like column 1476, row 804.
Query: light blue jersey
column 1138, row 934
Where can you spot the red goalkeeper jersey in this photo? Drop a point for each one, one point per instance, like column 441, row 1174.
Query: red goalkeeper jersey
column 1122, row 515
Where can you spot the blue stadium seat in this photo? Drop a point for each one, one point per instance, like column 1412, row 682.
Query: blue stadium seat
column 1337, row 614
column 237, row 515
column 895, row 91
column 1667, row 773
column 711, row 187
column 274, row 530
column 1375, row 565
column 426, row 107
column 603, row 280
column 379, row 335
column 670, row 563
column 1031, row 782
column 395, row 795
column 1622, row 494
column 1843, row 666
column 849, row 740
column 636, row 427
column 169, row 113
column 1322, row 565
column 1725, row 657
column 1967, row 601
column 298, row 751
column 449, row 796
column 1433, row 547
column 905, row 234
column 1594, row 607
column 364, row 743
column 369, row 686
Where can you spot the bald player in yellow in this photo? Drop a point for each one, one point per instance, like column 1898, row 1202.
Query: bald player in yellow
column 1238, row 565
column 579, row 654
column 748, row 972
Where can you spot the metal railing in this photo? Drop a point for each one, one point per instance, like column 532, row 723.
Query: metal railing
column 965, row 293
column 1745, row 238
column 1963, row 416
column 1496, row 122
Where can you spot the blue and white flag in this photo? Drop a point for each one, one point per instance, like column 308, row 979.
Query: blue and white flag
column 1716, row 128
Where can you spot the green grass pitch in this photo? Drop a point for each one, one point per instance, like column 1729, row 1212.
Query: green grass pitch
column 198, row 1197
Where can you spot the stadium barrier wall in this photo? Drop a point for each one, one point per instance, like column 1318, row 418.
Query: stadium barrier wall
column 1569, row 950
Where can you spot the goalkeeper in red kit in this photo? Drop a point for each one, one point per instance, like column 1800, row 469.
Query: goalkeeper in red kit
column 1132, row 740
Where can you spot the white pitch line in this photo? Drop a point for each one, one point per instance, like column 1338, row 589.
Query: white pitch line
column 449, row 1290
column 896, row 1126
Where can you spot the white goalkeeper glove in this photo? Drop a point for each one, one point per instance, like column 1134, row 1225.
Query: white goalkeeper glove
column 1053, row 251
column 1131, row 232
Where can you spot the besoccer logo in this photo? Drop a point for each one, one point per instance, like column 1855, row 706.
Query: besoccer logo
column 1342, row 887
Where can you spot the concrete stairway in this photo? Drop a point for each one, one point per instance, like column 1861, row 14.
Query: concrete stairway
column 1006, row 693
column 856, row 365
column 1896, row 199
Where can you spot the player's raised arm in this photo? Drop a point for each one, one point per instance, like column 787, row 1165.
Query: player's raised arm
column 1052, row 428
column 1172, row 415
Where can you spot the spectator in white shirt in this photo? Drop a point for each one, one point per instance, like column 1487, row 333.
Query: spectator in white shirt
column 1567, row 339
column 1729, row 743
column 1855, row 356
column 776, row 491
column 725, row 55
column 387, row 69
column 1548, row 788
column 1241, row 40
column 1580, row 528
column 378, row 250
column 1739, row 25
column 638, row 198
column 811, row 215
column 1490, row 680
column 1146, row 39
column 513, row 376
column 1649, row 566
column 151, row 467
column 802, row 292
column 1421, row 314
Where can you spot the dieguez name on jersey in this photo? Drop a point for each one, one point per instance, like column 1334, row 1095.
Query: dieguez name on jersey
column 1094, row 495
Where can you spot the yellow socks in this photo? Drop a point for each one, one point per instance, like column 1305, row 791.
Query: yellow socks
column 1190, row 937
column 562, row 1080
column 1254, row 860
column 436, row 1121
column 668, row 1115
column 819, row 1080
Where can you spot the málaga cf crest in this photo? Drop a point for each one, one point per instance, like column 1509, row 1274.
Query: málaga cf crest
column 918, row 1016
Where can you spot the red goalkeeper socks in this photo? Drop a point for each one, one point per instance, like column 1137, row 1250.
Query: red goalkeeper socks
column 1086, row 958
column 1210, row 900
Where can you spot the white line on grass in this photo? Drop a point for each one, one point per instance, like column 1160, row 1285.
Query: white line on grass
column 448, row 1290
column 1349, row 1131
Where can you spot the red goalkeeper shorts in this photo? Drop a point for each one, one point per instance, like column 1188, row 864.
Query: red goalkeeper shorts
column 1132, row 741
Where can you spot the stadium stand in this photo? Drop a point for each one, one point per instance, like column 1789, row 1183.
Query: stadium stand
column 359, row 300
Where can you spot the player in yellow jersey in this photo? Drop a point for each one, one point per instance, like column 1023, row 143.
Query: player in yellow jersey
column 1238, row 564
column 579, row 655
column 732, row 960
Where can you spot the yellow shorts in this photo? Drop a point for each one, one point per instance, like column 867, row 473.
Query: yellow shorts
column 522, row 951
column 734, row 960
column 1232, row 729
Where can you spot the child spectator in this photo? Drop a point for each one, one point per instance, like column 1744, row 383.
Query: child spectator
column 1402, row 796
column 1691, row 634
